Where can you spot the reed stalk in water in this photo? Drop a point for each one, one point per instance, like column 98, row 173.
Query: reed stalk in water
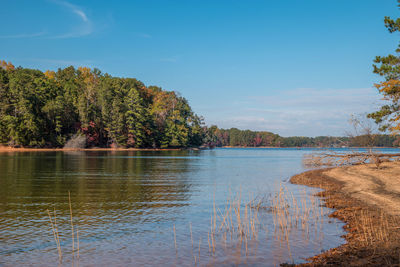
column 176, row 247
column 72, row 225
column 55, row 234
column 242, row 221
column 77, row 239
column 54, row 227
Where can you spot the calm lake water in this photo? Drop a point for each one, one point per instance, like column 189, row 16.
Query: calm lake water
column 159, row 208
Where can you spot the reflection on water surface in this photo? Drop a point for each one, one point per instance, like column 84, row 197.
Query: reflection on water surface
column 126, row 203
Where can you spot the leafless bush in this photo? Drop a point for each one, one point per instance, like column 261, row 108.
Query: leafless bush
column 76, row 141
column 363, row 133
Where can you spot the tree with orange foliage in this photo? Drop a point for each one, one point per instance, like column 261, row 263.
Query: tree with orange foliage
column 50, row 74
column 6, row 66
column 389, row 115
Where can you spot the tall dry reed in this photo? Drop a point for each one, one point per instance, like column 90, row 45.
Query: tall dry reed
column 238, row 221
column 54, row 227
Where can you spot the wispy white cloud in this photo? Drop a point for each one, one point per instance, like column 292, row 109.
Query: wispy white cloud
column 61, row 62
column 23, row 35
column 80, row 14
column 75, row 9
column 308, row 112
column 82, row 31
column 312, row 98
column 86, row 28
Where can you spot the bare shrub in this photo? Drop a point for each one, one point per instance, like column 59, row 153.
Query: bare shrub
column 77, row 141
column 363, row 133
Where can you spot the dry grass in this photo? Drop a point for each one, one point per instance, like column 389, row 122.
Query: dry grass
column 237, row 220
column 368, row 230
column 176, row 247
column 372, row 236
column 72, row 224
column 54, row 227
column 238, row 224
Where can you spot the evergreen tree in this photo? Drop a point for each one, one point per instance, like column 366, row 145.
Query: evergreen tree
column 389, row 68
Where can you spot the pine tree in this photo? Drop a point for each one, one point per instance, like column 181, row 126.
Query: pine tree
column 389, row 115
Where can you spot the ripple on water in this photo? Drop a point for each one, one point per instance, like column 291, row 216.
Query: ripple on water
column 126, row 204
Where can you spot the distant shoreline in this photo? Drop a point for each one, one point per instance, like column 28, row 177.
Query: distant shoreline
column 367, row 199
column 300, row 147
column 23, row 149
column 28, row 149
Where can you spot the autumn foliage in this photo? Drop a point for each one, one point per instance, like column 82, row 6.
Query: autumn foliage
column 47, row 109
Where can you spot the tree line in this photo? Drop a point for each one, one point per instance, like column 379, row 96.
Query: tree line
column 215, row 137
column 82, row 107
column 47, row 109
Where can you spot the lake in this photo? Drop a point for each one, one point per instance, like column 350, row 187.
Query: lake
column 150, row 208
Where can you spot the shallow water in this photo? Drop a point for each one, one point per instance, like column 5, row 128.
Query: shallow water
column 126, row 205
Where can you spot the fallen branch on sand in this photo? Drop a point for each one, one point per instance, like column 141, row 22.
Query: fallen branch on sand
column 344, row 159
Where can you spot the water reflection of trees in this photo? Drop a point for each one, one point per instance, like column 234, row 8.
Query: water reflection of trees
column 119, row 182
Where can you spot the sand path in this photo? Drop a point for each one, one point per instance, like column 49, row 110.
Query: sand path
column 379, row 187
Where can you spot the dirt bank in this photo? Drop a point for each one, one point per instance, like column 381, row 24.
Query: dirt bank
column 368, row 200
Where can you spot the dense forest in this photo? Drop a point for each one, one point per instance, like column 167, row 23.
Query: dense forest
column 215, row 137
column 85, row 108
column 49, row 109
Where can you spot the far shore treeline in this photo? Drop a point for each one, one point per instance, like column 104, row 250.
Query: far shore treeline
column 246, row 138
column 82, row 107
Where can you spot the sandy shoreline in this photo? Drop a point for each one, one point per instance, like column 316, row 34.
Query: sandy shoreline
column 367, row 199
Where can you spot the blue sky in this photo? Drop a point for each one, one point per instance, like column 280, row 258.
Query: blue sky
column 289, row 66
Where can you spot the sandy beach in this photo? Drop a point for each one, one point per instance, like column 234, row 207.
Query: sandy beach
column 367, row 199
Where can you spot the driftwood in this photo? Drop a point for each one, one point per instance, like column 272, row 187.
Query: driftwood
column 343, row 159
